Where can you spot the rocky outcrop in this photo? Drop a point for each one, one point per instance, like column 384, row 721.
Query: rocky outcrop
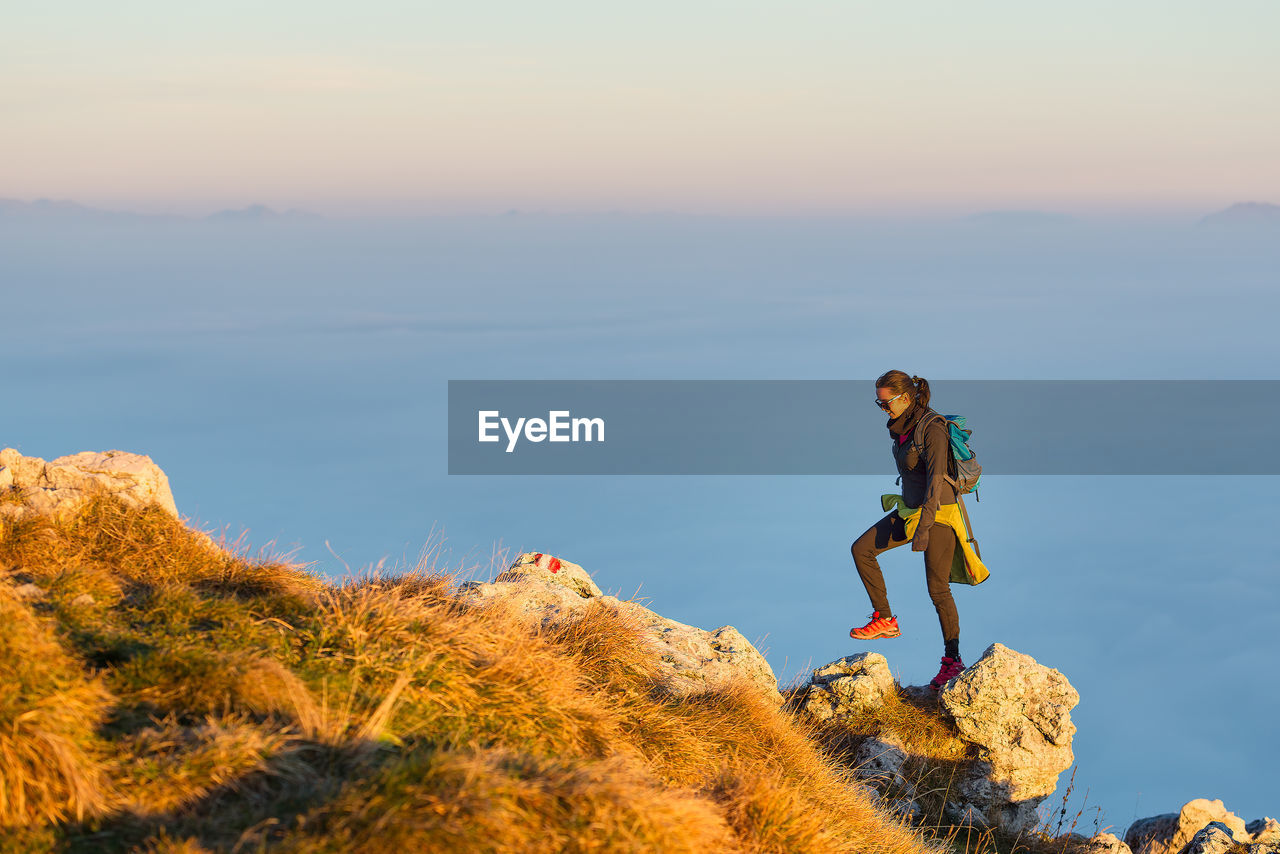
column 879, row 761
column 1213, row 838
column 1171, row 832
column 1264, row 831
column 1013, row 711
column 30, row 486
column 690, row 660
column 1103, row 843
column 848, row 687
column 536, row 565
column 1017, row 712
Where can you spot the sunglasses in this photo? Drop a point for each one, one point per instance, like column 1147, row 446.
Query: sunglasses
column 884, row 404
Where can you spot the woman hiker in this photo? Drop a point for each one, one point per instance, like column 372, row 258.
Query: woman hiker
column 906, row 399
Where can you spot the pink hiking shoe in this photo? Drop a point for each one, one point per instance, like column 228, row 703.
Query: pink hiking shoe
column 879, row 627
column 951, row 668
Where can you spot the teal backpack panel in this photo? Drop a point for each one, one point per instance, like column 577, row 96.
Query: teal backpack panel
column 959, row 437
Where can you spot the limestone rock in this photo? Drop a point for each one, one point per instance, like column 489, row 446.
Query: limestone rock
column 848, row 687
column 867, row 792
column 920, row 695
column 31, row 486
column 879, row 761
column 1264, row 830
column 534, row 598
column 547, row 568
column 701, row 660
column 963, row 814
column 691, row 660
column 907, row 810
column 1015, row 711
column 1213, row 838
column 1104, row 843
column 1018, row 714
column 28, row 591
column 1171, row 832
column 1072, row 841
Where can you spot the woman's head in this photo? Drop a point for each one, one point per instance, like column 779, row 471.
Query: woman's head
column 896, row 391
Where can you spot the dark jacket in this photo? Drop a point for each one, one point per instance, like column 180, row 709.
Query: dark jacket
column 923, row 485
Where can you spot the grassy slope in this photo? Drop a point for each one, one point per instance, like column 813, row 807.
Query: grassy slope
column 162, row 695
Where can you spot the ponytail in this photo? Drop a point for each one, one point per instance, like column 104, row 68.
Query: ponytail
column 922, row 391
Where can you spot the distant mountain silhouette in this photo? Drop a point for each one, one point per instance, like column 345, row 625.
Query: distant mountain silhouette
column 62, row 210
column 1253, row 214
column 1021, row 219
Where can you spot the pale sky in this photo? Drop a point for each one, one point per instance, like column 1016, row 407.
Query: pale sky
column 735, row 107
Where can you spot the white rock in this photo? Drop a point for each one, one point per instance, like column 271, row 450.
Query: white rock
column 61, row 486
column 1264, row 830
column 544, row 600
column 907, row 810
column 879, row 761
column 21, row 470
column 848, row 687
column 28, row 591
column 1104, row 843
column 920, row 695
column 1018, row 714
column 690, row 660
column 965, row 815
column 1213, row 838
column 1171, row 832
column 556, row 570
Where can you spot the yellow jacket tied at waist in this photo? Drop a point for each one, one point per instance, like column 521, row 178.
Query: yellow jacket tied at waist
column 966, row 566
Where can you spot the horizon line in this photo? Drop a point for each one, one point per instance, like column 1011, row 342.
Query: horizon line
column 258, row 208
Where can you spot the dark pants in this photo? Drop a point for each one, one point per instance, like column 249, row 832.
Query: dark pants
column 890, row 532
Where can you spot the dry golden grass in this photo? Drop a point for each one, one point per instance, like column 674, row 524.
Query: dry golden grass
column 196, row 682
column 496, row 800
column 255, row 708
column 924, row 730
column 85, row 586
column 48, row 712
column 467, row 676
column 142, row 545
column 165, row 844
column 172, row 766
column 607, row 647
column 919, row 724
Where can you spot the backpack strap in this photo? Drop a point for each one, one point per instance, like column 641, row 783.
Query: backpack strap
column 924, row 421
column 921, row 421
column 968, row 529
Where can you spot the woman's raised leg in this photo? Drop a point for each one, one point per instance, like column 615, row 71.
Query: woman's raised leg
column 890, row 532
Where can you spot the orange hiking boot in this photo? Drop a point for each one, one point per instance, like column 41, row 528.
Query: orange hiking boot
column 951, row 668
column 879, row 627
